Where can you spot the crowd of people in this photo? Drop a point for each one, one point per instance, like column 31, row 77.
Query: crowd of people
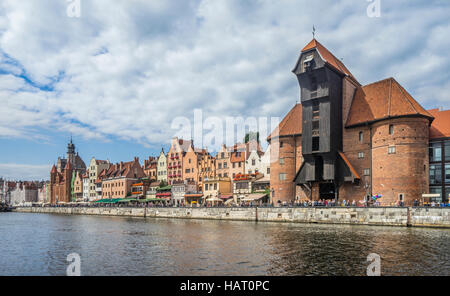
column 279, row 203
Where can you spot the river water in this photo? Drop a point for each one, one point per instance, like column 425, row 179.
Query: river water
column 38, row 244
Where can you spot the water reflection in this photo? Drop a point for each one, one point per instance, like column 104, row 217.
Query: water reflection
column 38, row 244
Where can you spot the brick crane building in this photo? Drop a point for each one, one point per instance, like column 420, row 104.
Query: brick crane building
column 349, row 141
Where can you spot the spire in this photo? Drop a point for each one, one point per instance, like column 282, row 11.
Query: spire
column 53, row 171
column 70, row 147
column 313, row 32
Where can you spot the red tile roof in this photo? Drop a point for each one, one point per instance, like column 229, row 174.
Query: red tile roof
column 440, row 128
column 235, row 158
column 329, row 58
column 382, row 100
column 290, row 125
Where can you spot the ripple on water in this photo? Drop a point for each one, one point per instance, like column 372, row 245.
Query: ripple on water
column 38, row 244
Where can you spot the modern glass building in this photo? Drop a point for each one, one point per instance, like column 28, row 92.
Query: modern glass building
column 440, row 155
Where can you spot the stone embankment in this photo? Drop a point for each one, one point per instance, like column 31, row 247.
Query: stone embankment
column 386, row 216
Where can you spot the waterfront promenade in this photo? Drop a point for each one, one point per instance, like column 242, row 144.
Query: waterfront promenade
column 383, row 216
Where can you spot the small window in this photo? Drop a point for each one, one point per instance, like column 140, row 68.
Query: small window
column 401, row 196
column 282, row 176
column 361, row 137
column 360, row 155
column 315, row 144
column 281, row 144
column 281, row 160
column 366, row 172
column 391, row 150
column 391, row 129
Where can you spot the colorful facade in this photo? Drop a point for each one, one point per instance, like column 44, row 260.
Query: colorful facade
column 151, row 168
column 117, row 180
column 223, row 163
column 161, row 167
column 96, row 166
column 175, row 156
column 206, row 168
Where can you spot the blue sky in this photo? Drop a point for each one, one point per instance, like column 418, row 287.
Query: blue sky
column 117, row 76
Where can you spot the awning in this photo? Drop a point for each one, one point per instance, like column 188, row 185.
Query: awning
column 128, row 199
column 168, row 187
column 193, row 195
column 213, row 199
column 226, row 196
column 152, row 199
column 254, row 197
column 107, row 200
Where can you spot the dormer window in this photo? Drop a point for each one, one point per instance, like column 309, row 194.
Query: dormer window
column 307, row 62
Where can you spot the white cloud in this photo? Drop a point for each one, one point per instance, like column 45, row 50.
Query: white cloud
column 24, row 171
column 126, row 68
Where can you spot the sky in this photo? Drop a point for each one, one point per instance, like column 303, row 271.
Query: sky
column 117, row 76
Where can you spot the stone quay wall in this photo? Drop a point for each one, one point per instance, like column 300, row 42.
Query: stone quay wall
column 384, row 216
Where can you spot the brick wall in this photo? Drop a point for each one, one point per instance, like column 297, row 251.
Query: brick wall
column 406, row 170
column 291, row 154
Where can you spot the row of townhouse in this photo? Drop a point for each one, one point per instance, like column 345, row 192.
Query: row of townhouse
column 107, row 180
column 102, row 179
column 21, row 192
column 185, row 162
